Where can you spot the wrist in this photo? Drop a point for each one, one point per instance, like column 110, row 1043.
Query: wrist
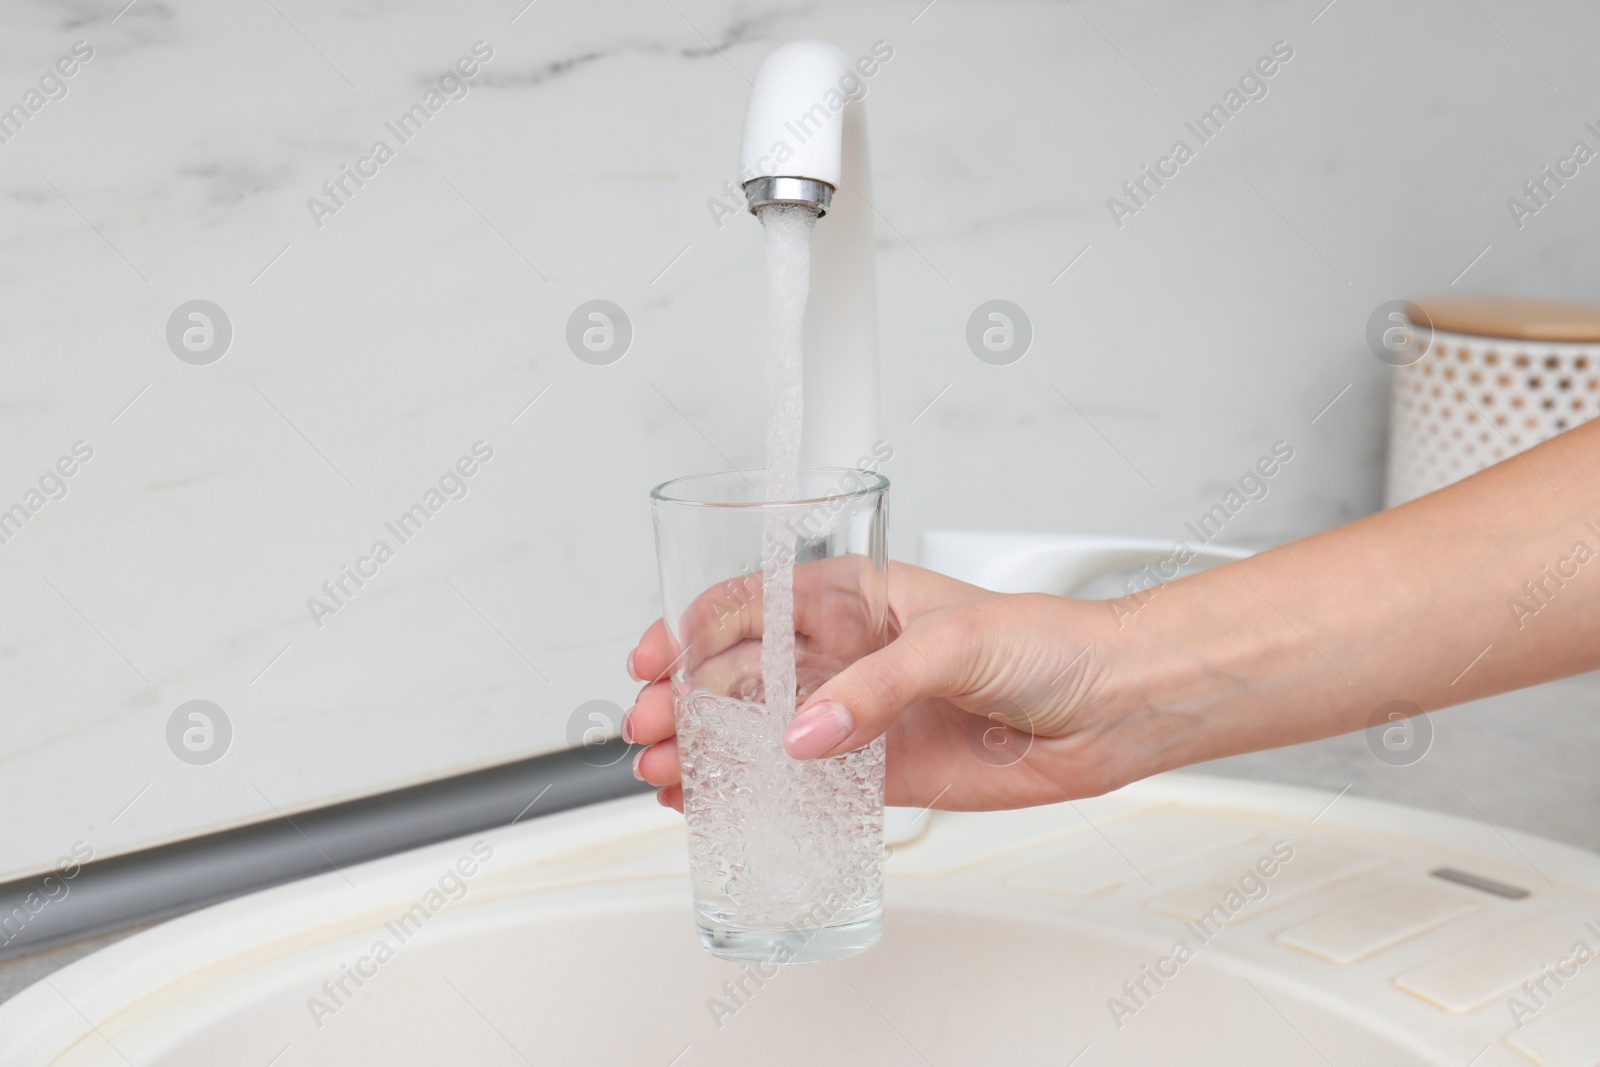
column 1201, row 668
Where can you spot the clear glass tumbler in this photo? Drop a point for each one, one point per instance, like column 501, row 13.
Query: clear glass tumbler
column 785, row 855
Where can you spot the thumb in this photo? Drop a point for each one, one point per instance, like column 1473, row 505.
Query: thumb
column 859, row 703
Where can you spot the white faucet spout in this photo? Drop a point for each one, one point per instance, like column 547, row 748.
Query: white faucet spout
column 805, row 143
column 789, row 129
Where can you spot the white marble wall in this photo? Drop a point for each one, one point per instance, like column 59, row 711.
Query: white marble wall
column 371, row 351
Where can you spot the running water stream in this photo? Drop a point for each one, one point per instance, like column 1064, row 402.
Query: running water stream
column 788, row 230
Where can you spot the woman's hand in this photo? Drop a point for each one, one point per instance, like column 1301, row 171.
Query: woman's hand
column 988, row 700
column 995, row 701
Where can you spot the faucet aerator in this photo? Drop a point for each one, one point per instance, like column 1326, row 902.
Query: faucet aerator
column 805, row 192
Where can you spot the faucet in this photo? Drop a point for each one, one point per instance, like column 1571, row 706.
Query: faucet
column 805, row 142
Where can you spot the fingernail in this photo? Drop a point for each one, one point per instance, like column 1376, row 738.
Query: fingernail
column 627, row 727
column 636, row 760
column 631, row 672
column 818, row 729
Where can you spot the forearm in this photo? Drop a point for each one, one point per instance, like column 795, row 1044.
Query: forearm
column 1488, row 585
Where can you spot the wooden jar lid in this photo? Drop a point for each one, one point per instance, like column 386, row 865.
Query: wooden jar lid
column 1512, row 317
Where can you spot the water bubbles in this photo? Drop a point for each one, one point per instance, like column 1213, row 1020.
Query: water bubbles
column 771, row 837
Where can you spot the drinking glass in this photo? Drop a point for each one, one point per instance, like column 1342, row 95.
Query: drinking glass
column 785, row 855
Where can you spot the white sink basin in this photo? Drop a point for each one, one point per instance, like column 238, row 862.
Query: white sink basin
column 1007, row 937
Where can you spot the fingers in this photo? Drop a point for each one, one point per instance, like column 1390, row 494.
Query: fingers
column 659, row 764
column 842, row 594
column 670, row 797
column 652, row 658
column 653, row 661
column 929, row 660
column 829, row 594
column 649, row 722
column 650, row 718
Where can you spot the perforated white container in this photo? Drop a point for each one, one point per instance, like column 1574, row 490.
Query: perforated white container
column 1499, row 377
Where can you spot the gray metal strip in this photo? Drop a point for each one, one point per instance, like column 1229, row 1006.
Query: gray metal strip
column 121, row 891
column 1479, row 882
